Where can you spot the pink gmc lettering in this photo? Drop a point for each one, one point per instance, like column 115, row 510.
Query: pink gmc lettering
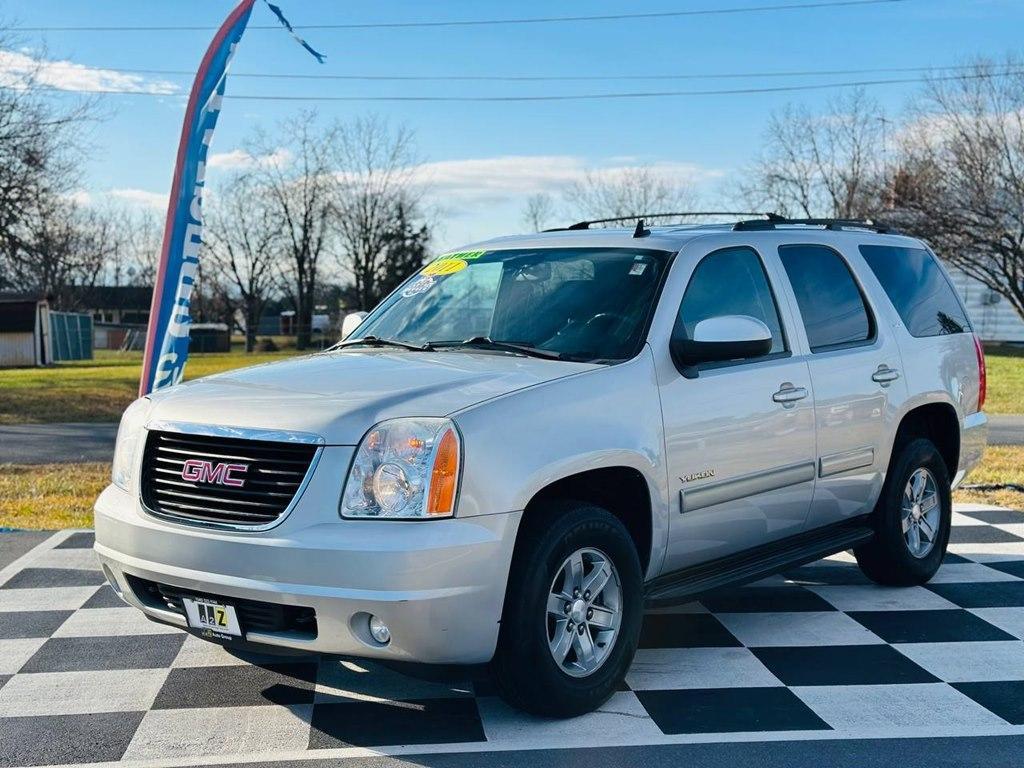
column 201, row 471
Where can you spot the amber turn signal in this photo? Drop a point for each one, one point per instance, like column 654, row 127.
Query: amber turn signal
column 444, row 476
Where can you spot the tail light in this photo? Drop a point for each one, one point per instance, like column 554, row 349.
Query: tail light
column 982, row 377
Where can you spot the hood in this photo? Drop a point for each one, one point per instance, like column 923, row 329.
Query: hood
column 340, row 395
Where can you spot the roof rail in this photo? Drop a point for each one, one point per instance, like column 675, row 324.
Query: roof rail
column 646, row 216
column 773, row 221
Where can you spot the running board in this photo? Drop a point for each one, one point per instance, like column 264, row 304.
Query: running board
column 687, row 584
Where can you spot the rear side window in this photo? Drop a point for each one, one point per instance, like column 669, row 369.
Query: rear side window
column 731, row 282
column 917, row 288
column 833, row 308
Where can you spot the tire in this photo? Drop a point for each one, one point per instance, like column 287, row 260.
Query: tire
column 889, row 558
column 524, row 667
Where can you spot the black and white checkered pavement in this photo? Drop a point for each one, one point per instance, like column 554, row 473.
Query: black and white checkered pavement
column 819, row 653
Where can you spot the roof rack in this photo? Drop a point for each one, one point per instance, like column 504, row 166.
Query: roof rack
column 773, row 221
column 768, row 221
column 646, row 216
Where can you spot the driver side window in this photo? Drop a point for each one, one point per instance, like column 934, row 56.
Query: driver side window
column 730, row 282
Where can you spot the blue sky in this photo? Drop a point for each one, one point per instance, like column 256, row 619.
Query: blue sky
column 486, row 158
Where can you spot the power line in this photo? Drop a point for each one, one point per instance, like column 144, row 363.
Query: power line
column 555, row 78
column 568, row 97
column 490, row 22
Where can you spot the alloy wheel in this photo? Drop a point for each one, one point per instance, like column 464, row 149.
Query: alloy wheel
column 584, row 612
column 921, row 513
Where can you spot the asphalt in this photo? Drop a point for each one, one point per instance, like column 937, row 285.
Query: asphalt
column 56, row 443
column 68, row 443
column 1006, row 430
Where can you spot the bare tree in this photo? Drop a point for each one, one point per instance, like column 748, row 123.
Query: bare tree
column 301, row 190
column 243, row 242
column 828, row 164
column 960, row 180
column 627, row 192
column 374, row 165
column 136, row 235
column 40, row 147
column 538, row 212
column 60, row 245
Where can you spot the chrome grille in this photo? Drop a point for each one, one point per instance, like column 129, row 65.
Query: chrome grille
column 273, row 474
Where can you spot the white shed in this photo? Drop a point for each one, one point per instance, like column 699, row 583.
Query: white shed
column 992, row 316
column 24, row 327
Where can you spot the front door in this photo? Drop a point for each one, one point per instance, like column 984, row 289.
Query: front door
column 739, row 435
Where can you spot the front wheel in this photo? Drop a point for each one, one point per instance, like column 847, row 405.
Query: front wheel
column 572, row 612
column 912, row 519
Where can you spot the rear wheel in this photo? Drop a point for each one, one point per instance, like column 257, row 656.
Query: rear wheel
column 912, row 519
column 572, row 612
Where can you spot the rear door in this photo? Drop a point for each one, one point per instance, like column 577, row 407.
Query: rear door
column 856, row 373
column 739, row 436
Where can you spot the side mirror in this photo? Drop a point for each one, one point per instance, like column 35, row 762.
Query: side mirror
column 350, row 323
column 728, row 337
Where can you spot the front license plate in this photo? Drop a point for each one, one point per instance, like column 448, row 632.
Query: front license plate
column 211, row 616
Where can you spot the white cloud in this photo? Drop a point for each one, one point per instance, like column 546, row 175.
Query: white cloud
column 140, row 197
column 80, row 197
column 496, row 180
column 239, row 159
column 16, row 68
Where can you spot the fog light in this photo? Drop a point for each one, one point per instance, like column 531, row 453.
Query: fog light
column 379, row 630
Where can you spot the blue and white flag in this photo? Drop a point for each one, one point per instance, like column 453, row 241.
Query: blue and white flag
column 163, row 364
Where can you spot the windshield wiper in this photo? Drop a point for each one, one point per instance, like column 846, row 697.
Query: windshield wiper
column 485, row 342
column 374, row 341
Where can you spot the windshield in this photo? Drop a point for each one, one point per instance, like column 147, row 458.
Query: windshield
column 581, row 303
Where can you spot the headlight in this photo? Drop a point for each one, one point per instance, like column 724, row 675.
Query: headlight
column 129, row 437
column 404, row 468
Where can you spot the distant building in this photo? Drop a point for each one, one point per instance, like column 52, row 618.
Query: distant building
column 24, row 326
column 120, row 313
column 321, row 322
column 993, row 317
column 113, row 304
column 33, row 334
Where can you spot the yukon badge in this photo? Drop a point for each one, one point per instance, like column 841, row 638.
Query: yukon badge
column 704, row 474
column 201, row 471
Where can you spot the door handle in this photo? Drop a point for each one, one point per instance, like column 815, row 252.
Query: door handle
column 788, row 395
column 885, row 375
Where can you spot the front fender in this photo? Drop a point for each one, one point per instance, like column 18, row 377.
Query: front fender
column 516, row 445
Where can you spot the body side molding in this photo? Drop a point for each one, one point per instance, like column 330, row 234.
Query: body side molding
column 745, row 485
column 836, row 463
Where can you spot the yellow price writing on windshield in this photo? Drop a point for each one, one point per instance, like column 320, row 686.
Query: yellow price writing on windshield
column 445, row 267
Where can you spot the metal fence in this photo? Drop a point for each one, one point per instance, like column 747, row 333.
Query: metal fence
column 70, row 336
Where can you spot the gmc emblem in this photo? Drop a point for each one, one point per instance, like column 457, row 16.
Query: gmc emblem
column 200, row 471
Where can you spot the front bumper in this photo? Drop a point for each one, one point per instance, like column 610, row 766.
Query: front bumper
column 439, row 585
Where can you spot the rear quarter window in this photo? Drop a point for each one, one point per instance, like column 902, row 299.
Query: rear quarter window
column 918, row 289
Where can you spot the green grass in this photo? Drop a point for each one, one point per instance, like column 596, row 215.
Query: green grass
column 50, row 496
column 1005, row 379
column 100, row 389
column 1001, row 465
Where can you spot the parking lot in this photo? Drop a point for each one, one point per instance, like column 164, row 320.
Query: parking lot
column 934, row 674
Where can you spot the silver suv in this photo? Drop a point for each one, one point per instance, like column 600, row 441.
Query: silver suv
column 536, row 437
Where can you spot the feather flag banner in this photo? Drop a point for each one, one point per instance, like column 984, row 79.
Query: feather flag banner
column 276, row 10
column 167, row 337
